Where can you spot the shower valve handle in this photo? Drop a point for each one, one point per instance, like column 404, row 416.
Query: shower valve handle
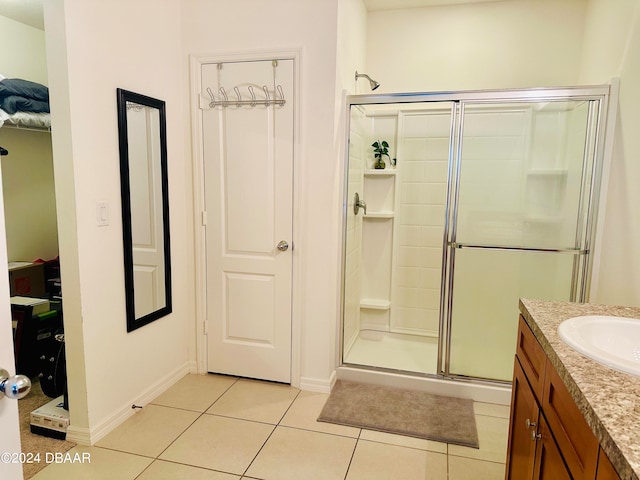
column 358, row 204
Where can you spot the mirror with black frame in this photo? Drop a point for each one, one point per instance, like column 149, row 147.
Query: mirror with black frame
column 145, row 207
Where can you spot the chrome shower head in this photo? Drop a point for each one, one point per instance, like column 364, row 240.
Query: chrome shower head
column 372, row 82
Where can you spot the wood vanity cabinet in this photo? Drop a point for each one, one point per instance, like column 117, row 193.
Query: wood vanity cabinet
column 549, row 439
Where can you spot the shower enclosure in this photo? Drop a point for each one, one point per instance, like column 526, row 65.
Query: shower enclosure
column 492, row 197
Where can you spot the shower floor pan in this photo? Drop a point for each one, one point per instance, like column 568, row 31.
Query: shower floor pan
column 409, row 353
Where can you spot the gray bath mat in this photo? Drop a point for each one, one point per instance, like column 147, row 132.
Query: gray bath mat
column 403, row 412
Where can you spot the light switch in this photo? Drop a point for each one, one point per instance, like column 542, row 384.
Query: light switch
column 102, row 213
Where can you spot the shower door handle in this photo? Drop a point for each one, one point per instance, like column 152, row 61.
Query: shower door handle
column 358, row 204
column 15, row 387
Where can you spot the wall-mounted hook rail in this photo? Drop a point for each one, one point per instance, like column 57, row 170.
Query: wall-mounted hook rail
column 212, row 96
column 223, row 101
column 223, row 94
column 266, row 96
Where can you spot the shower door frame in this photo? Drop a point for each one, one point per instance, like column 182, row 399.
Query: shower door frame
column 581, row 279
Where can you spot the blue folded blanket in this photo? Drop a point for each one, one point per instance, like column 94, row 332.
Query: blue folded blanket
column 18, row 95
column 23, row 88
column 14, row 103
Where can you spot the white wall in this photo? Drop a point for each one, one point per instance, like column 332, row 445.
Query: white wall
column 23, row 52
column 351, row 45
column 217, row 27
column 611, row 49
column 490, row 45
column 350, row 56
column 94, row 47
column 27, row 173
column 29, row 195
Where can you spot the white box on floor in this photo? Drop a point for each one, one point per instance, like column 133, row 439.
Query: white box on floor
column 40, row 305
column 51, row 420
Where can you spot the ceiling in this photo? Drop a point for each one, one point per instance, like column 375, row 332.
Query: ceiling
column 373, row 5
column 24, row 11
column 30, row 11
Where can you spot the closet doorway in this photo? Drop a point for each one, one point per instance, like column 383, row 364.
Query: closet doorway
column 29, row 229
column 247, row 160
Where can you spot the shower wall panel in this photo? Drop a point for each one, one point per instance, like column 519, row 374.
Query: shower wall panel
column 422, row 184
column 554, row 175
column 495, row 153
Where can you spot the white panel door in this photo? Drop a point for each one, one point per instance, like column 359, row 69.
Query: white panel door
column 10, row 436
column 248, row 170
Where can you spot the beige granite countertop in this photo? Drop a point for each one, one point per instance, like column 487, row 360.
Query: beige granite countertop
column 609, row 400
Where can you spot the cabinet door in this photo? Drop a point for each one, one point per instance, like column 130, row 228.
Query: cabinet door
column 531, row 356
column 524, row 417
column 549, row 462
column 570, row 429
column 605, row 468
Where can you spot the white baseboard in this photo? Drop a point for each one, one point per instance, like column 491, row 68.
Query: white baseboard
column 317, row 384
column 81, row 436
column 193, row 367
column 89, row 436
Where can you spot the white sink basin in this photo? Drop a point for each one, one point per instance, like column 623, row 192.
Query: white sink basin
column 611, row 341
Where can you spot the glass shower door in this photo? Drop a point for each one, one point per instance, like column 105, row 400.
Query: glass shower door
column 518, row 223
column 394, row 229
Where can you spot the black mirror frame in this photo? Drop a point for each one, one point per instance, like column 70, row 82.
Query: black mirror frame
column 124, row 96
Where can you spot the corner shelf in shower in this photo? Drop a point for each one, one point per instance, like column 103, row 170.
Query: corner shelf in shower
column 382, row 172
column 379, row 192
column 545, row 195
column 544, row 218
column 375, row 304
column 548, row 172
column 378, row 215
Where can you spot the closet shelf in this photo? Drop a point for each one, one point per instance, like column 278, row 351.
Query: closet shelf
column 375, row 304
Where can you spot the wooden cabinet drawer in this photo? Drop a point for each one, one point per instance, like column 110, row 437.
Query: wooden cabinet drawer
column 531, row 356
column 573, row 435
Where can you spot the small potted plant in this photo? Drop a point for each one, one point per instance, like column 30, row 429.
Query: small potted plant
column 380, row 148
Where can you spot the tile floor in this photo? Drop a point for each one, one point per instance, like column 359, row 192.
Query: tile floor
column 223, row 428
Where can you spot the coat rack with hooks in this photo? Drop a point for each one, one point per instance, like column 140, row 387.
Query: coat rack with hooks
column 225, row 101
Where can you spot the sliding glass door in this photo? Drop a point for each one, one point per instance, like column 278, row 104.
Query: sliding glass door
column 485, row 198
column 519, row 227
